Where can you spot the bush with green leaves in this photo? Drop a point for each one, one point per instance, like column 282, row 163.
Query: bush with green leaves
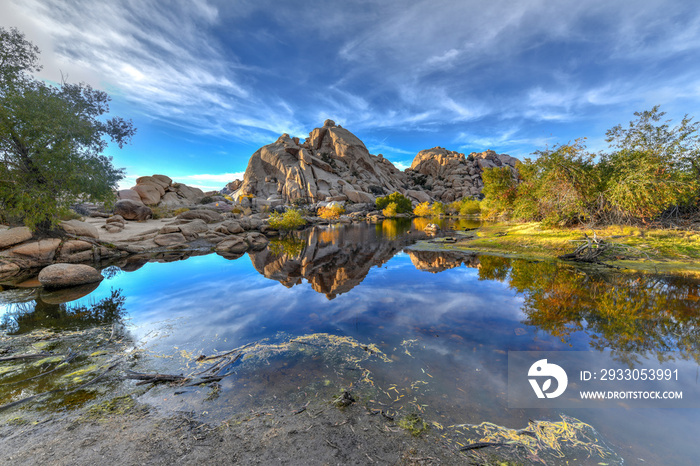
column 331, row 212
column 560, row 187
column 438, row 208
column 500, row 190
column 423, row 210
column 654, row 167
column 403, row 204
column 469, row 206
column 291, row 219
column 52, row 139
column 390, row 210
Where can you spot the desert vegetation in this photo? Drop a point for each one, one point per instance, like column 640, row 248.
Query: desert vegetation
column 650, row 175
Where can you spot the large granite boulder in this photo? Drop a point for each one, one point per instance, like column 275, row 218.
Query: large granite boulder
column 233, row 244
column 132, row 210
column 65, row 275
column 160, row 190
column 331, row 163
column 129, row 194
column 180, row 195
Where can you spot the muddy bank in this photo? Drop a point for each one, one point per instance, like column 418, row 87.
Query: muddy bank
column 321, row 434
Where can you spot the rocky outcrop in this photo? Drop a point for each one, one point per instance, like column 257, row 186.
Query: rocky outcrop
column 65, row 275
column 132, row 210
column 160, row 190
column 446, row 176
column 332, row 164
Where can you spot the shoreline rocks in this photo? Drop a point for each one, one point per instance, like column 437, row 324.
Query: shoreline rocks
column 66, row 275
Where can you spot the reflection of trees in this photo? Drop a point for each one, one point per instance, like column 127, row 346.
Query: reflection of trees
column 289, row 246
column 25, row 317
column 636, row 313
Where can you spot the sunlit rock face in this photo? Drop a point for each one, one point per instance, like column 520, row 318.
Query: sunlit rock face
column 332, row 261
column 332, row 164
column 447, row 175
column 437, row 261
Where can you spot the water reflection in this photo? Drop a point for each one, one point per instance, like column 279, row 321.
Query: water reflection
column 623, row 312
column 445, row 320
column 25, row 317
column 334, row 259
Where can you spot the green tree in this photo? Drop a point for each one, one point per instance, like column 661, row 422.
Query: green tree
column 500, row 190
column 52, row 140
column 403, row 204
column 654, row 168
column 560, row 187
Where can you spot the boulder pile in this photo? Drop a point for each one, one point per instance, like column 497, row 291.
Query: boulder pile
column 333, row 165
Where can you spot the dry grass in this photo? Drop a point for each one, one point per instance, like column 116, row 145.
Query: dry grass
column 674, row 248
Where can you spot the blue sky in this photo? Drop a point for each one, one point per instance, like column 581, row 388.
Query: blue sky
column 208, row 82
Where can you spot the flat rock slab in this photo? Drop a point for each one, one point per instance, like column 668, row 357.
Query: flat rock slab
column 42, row 250
column 78, row 228
column 65, row 275
column 14, row 236
column 207, row 215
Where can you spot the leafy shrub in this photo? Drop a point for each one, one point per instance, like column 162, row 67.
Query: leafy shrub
column 422, row 209
column 331, row 212
column 206, row 200
column 559, row 187
column 181, row 210
column 654, row 168
column 500, row 190
column 469, row 207
column 290, row 220
column 390, row 210
column 403, row 204
column 438, row 208
column 69, row 214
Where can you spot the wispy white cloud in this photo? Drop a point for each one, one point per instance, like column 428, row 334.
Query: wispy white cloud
column 244, row 71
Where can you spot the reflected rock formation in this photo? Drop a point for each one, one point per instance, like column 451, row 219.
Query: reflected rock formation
column 333, row 260
column 438, row 261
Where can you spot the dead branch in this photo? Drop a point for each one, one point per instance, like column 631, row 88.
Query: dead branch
column 17, row 357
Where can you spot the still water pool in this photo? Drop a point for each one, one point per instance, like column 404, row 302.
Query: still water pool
column 406, row 331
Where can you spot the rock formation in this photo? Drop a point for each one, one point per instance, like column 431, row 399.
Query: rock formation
column 160, row 190
column 332, row 164
column 447, row 176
